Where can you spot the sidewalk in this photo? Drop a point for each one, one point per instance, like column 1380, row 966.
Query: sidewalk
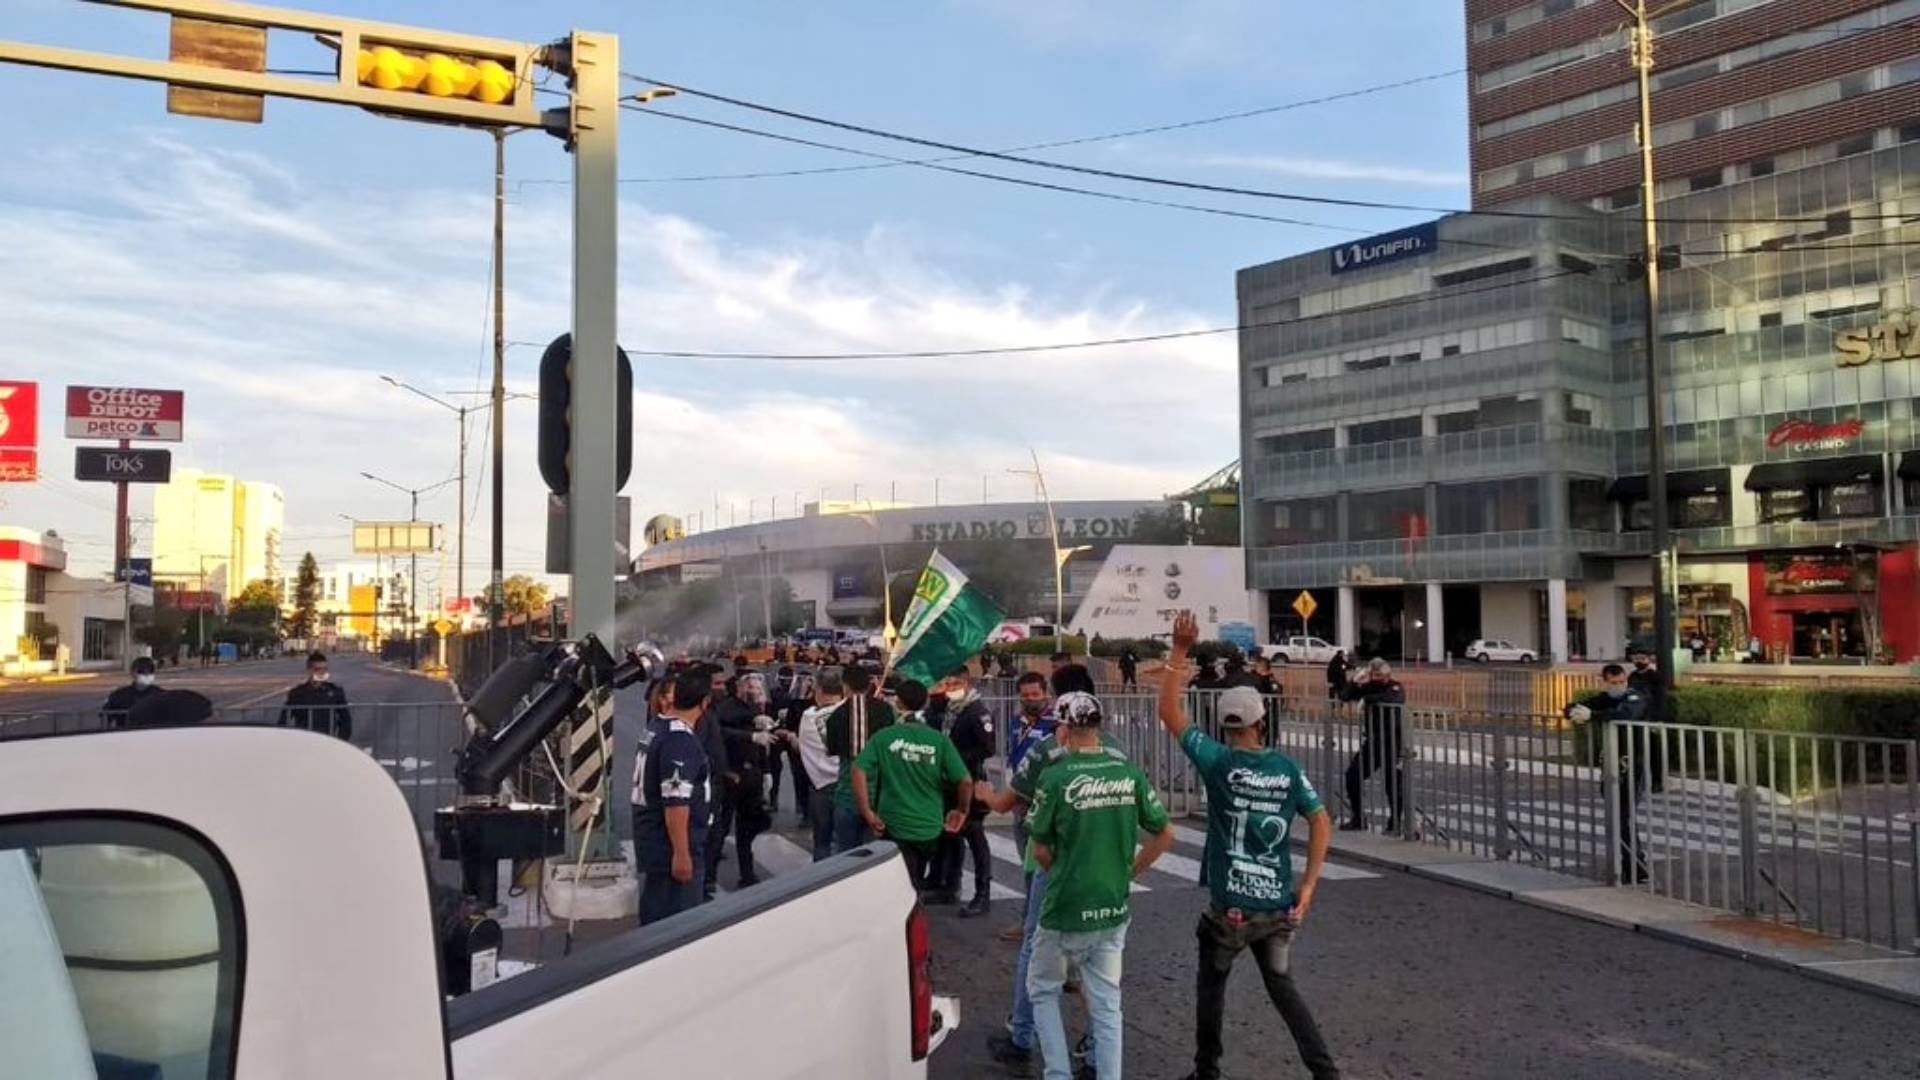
column 1866, row 968
column 36, row 680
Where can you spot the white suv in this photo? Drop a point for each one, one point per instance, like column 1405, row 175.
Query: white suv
column 1300, row 650
column 1486, row 649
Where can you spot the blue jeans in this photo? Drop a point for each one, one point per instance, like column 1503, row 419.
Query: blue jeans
column 820, row 815
column 849, row 831
column 661, row 896
column 1020, row 1023
column 1098, row 953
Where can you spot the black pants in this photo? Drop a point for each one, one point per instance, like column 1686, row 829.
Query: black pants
column 1374, row 755
column 717, row 839
column 1633, row 854
column 953, row 857
column 744, row 827
column 923, row 861
column 1270, row 936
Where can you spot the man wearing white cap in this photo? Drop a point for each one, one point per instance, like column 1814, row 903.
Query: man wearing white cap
column 1253, row 795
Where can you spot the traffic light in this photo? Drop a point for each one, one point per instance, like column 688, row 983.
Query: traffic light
column 556, row 434
column 435, row 74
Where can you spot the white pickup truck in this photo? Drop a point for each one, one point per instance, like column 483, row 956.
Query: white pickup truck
column 1300, row 650
column 194, row 903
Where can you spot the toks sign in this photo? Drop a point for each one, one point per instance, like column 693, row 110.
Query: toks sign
column 100, row 412
column 19, row 431
column 122, row 466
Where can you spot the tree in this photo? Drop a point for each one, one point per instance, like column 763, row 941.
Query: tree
column 306, row 599
column 521, row 595
column 1168, row 526
column 255, row 613
column 163, row 634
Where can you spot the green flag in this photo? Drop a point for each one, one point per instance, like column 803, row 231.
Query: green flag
column 946, row 624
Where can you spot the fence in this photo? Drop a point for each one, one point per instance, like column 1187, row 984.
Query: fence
column 1818, row 832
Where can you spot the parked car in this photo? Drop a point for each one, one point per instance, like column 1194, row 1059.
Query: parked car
column 1302, row 650
column 1484, row 650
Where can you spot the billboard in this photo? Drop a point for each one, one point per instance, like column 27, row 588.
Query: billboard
column 122, row 466
column 394, row 537
column 108, row 412
column 1143, row 587
column 1386, row 248
column 1140, row 588
column 19, row 431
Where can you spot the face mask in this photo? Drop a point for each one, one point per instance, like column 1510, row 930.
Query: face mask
column 1616, row 691
column 317, row 676
column 143, row 681
column 1033, row 708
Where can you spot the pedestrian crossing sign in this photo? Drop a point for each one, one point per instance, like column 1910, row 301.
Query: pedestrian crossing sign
column 1304, row 606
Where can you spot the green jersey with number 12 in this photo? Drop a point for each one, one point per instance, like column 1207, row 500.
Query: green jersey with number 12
column 1252, row 799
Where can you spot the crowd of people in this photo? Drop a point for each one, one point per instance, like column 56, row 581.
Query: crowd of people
column 907, row 762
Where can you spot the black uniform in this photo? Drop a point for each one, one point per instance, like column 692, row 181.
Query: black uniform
column 1379, row 745
column 1605, row 708
column 121, row 702
column 318, row 706
column 971, row 731
column 743, row 800
column 1337, row 675
column 1646, row 682
column 1129, row 668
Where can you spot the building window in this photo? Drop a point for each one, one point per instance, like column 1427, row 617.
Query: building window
column 1379, row 431
column 1296, row 442
column 1488, row 506
column 1760, row 167
column 1371, row 363
column 1859, row 144
column 1387, row 515
column 1703, row 181
column 1480, row 273
column 36, row 584
column 1587, row 505
column 1303, row 521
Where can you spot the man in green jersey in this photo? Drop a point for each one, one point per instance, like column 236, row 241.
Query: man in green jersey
column 1085, row 818
column 911, row 763
column 1253, row 795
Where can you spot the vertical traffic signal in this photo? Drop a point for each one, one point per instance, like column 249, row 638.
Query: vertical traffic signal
column 556, row 432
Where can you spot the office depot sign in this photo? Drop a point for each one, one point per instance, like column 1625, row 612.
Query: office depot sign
column 101, row 412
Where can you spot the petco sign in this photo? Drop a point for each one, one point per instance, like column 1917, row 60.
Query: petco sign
column 1386, row 248
column 100, row 412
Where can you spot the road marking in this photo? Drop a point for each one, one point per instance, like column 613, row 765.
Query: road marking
column 1006, row 850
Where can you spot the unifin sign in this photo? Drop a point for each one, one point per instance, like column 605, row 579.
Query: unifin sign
column 1386, row 248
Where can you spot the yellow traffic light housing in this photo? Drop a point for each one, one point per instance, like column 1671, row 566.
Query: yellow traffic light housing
column 435, row 74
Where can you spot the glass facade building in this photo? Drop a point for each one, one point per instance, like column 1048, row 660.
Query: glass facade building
column 1450, row 443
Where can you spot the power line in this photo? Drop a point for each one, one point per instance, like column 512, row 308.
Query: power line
column 1016, row 180
column 1172, row 335
column 1161, row 181
column 1055, row 144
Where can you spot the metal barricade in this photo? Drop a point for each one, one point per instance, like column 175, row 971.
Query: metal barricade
column 1821, row 832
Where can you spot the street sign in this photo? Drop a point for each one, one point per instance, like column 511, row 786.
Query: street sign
column 103, row 412
column 137, row 572
column 19, row 431
column 442, row 627
column 1304, row 605
column 230, row 46
column 394, row 537
column 122, row 466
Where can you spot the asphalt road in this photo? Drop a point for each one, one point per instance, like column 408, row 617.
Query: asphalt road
column 1415, row 978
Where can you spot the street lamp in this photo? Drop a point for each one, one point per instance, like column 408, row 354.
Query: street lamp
column 460, row 518
column 413, row 559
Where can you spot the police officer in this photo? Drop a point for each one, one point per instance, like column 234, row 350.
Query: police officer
column 1379, row 751
column 1618, row 699
column 318, row 704
column 124, row 698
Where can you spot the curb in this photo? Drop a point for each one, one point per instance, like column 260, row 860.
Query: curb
column 1661, row 933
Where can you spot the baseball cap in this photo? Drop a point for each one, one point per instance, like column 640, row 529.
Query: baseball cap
column 1077, row 709
column 1241, row 707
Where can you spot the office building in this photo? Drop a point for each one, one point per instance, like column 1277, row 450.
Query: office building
column 1741, row 89
column 215, row 533
column 1451, row 441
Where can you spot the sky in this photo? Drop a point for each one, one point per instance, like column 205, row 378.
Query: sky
column 275, row 272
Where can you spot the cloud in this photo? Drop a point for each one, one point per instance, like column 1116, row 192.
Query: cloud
column 1183, row 35
column 1332, row 169
column 146, row 261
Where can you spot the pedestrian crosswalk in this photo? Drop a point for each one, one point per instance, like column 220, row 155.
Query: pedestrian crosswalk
column 777, row 853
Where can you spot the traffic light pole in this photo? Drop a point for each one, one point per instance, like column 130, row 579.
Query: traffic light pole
column 496, row 600
column 594, row 60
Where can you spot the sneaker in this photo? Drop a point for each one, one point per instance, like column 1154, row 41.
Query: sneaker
column 1017, row 1060
column 977, row 906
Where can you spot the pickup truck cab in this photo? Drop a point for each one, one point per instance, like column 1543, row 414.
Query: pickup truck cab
column 192, row 903
column 1300, row 650
column 1485, row 650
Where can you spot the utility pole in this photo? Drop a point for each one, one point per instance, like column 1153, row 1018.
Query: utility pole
column 766, row 592
column 497, row 576
column 1053, row 534
column 1663, row 563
